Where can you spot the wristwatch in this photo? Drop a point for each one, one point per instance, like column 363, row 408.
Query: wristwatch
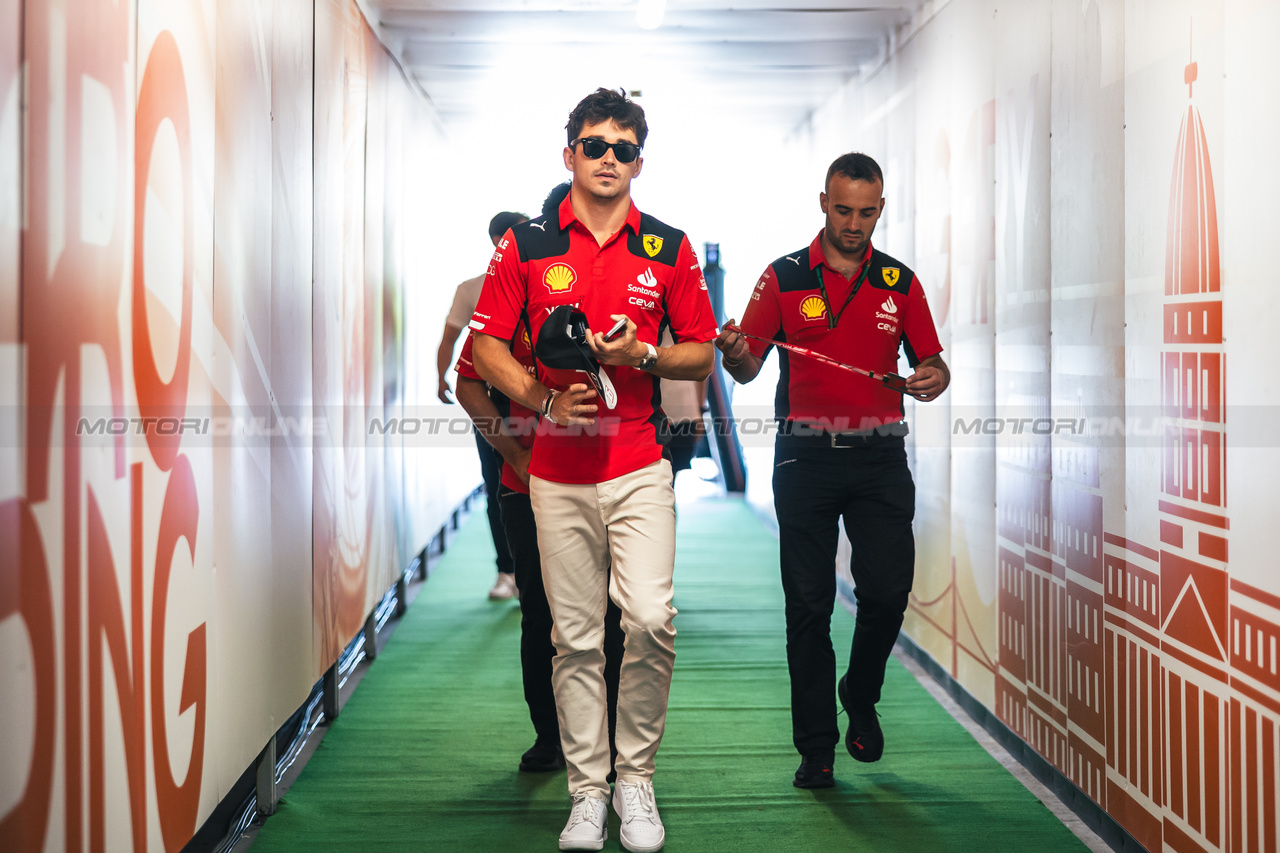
column 650, row 360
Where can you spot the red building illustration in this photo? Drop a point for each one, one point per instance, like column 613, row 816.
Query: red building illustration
column 1032, row 672
column 1141, row 670
column 1078, row 557
column 1193, row 523
column 1051, row 686
column 1191, row 654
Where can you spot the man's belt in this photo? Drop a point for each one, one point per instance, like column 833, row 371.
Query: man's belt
column 800, row 435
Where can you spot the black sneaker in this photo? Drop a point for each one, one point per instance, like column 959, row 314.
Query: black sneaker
column 864, row 739
column 543, row 757
column 815, row 771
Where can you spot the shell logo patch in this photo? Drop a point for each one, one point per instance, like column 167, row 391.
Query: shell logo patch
column 891, row 275
column 652, row 244
column 813, row 308
column 525, row 336
column 559, row 278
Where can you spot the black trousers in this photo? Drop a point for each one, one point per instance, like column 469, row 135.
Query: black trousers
column 816, row 485
column 536, row 648
column 491, row 470
column 681, row 442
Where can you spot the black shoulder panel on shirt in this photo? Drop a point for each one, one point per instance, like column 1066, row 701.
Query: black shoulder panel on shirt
column 540, row 237
column 657, row 241
column 794, row 273
column 889, row 273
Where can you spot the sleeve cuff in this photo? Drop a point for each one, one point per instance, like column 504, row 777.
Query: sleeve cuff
column 489, row 327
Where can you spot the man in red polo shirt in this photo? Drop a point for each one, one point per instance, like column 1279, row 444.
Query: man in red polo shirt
column 840, row 453
column 600, row 489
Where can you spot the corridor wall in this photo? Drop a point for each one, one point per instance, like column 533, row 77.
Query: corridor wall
column 205, row 296
column 1084, row 187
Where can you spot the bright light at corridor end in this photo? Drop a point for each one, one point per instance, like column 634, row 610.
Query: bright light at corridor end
column 649, row 13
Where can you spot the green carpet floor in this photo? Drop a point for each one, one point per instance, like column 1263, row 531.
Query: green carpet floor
column 423, row 757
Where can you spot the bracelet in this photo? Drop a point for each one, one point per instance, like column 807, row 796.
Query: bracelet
column 730, row 362
column 547, row 402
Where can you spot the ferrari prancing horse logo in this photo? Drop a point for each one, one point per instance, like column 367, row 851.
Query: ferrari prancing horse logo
column 890, row 275
column 652, row 244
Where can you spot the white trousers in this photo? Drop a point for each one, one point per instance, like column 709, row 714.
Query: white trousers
column 629, row 521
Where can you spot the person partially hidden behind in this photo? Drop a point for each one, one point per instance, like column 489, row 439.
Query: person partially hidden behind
column 464, row 304
column 513, row 438
column 840, row 453
column 600, row 489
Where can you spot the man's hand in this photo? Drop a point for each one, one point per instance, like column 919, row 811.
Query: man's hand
column 519, row 462
column 444, row 360
column 689, row 360
column 624, row 350
column 571, row 407
column 733, row 346
column 735, row 354
column 930, row 379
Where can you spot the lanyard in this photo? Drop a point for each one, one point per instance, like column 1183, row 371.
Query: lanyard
column 833, row 319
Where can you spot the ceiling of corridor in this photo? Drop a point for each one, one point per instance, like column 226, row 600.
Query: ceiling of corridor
column 767, row 64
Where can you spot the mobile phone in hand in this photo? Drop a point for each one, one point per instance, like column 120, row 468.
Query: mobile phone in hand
column 618, row 328
column 894, row 382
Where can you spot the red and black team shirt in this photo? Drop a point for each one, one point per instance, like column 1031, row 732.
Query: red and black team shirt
column 647, row 271
column 889, row 310
column 522, row 421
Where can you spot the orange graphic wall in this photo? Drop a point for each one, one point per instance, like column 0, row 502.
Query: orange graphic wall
column 1096, row 493
column 202, row 290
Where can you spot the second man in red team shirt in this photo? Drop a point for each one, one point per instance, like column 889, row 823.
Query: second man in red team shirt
column 840, row 453
column 600, row 489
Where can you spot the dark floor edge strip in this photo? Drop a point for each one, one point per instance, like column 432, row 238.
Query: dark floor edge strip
column 237, row 813
column 1092, row 814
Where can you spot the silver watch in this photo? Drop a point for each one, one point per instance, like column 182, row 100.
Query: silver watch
column 650, row 360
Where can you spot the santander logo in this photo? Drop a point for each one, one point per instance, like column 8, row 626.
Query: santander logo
column 889, row 305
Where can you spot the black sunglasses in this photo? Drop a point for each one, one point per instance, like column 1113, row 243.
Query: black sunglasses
column 593, row 149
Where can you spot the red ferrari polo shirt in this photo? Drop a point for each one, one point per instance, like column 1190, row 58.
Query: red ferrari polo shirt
column 888, row 310
column 648, row 271
column 523, row 422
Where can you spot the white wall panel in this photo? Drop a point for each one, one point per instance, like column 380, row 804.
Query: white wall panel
column 156, row 370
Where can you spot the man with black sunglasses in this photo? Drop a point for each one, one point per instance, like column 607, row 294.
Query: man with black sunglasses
column 840, row 453
column 512, row 437
column 600, row 489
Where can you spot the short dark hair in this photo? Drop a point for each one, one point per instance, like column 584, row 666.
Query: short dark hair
column 551, row 204
column 604, row 104
column 504, row 220
column 855, row 167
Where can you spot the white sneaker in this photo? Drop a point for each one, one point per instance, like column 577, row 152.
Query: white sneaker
column 504, row 587
column 588, row 824
column 642, row 830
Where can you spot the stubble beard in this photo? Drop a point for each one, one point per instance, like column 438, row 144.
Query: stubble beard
column 848, row 247
column 604, row 192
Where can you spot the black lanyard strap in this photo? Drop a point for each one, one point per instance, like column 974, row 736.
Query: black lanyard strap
column 833, row 319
